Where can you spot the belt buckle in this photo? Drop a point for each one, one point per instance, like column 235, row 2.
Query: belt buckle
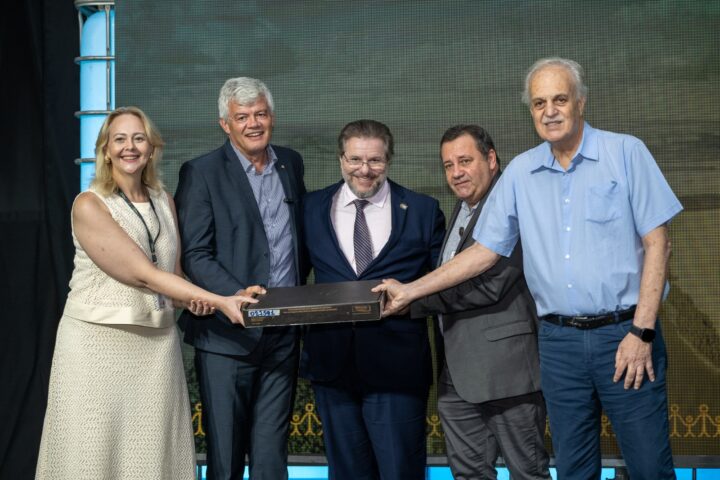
column 582, row 323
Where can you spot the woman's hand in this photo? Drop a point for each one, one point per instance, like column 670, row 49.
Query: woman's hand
column 200, row 307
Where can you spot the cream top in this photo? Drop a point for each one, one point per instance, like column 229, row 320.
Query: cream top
column 98, row 298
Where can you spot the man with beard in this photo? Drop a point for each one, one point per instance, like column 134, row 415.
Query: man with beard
column 371, row 379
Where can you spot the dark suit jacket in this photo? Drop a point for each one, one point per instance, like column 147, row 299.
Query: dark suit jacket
column 225, row 248
column 489, row 327
column 393, row 352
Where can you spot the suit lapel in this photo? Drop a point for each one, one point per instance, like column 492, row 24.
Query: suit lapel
column 284, row 171
column 399, row 216
column 464, row 243
column 453, row 217
column 328, row 225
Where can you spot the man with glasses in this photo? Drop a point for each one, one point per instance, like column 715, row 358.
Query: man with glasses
column 371, row 379
column 489, row 396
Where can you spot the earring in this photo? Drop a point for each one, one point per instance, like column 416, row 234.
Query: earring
column 107, row 159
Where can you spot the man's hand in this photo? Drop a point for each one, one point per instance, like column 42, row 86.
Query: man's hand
column 233, row 306
column 633, row 358
column 397, row 300
column 252, row 291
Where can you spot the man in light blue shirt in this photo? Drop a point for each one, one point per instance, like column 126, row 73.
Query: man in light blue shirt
column 590, row 209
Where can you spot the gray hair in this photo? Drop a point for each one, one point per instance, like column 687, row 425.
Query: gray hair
column 243, row 91
column 577, row 74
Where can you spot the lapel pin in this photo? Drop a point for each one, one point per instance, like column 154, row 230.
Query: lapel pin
column 403, row 206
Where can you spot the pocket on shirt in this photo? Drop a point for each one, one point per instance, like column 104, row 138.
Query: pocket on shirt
column 602, row 203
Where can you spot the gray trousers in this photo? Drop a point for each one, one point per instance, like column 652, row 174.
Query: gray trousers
column 247, row 402
column 476, row 433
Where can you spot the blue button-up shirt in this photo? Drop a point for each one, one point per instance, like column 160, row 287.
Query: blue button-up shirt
column 461, row 222
column 581, row 229
column 275, row 212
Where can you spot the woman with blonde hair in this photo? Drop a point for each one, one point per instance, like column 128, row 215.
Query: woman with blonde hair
column 118, row 405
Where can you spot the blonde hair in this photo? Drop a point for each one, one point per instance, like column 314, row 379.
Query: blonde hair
column 104, row 183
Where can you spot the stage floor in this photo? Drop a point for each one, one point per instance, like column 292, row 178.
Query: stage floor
column 443, row 473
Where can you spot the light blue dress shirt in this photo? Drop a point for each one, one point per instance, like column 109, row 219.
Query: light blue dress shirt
column 581, row 229
column 461, row 222
column 275, row 212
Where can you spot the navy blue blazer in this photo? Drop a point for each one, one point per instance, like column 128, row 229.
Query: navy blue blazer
column 224, row 245
column 393, row 352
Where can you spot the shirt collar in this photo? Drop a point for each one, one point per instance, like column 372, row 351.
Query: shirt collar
column 468, row 209
column 249, row 167
column 379, row 199
column 588, row 150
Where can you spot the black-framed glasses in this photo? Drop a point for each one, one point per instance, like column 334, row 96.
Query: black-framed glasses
column 375, row 163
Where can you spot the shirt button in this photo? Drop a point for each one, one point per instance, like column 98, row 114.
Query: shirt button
column 569, row 285
column 567, row 256
column 567, row 229
column 567, row 200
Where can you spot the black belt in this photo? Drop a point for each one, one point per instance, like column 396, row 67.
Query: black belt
column 590, row 321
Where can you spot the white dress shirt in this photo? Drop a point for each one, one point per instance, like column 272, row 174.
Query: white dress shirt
column 378, row 214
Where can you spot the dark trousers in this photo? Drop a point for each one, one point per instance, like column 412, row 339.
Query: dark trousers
column 371, row 433
column 247, row 402
column 577, row 368
column 476, row 433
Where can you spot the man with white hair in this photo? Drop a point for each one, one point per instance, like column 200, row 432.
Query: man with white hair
column 591, row 209
column 238, row 209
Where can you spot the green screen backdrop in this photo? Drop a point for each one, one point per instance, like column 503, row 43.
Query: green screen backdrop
column 653, row 70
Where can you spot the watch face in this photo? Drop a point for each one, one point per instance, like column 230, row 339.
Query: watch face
column 647, row 335
column 644, row 334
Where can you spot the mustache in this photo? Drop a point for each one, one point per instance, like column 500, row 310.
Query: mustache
column 369, row 175
column 553, row 120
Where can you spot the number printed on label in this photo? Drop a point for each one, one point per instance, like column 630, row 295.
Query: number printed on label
column 263, row 313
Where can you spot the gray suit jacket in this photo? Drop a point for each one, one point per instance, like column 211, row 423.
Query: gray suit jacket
column 489, row 327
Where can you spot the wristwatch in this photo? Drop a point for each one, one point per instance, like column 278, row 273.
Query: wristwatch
column 647, row 335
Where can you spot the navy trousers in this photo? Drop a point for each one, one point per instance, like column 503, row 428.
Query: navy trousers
column 371, row 433
column 247, row 402
column 577, row 367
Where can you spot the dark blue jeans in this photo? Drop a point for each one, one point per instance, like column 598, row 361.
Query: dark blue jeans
column 577, row 368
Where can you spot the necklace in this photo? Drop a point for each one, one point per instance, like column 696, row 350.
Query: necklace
column 151, row 241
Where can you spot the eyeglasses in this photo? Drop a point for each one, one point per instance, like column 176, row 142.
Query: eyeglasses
column 375, row 163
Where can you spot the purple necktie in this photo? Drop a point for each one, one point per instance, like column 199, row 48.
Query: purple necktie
column 361, row 238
